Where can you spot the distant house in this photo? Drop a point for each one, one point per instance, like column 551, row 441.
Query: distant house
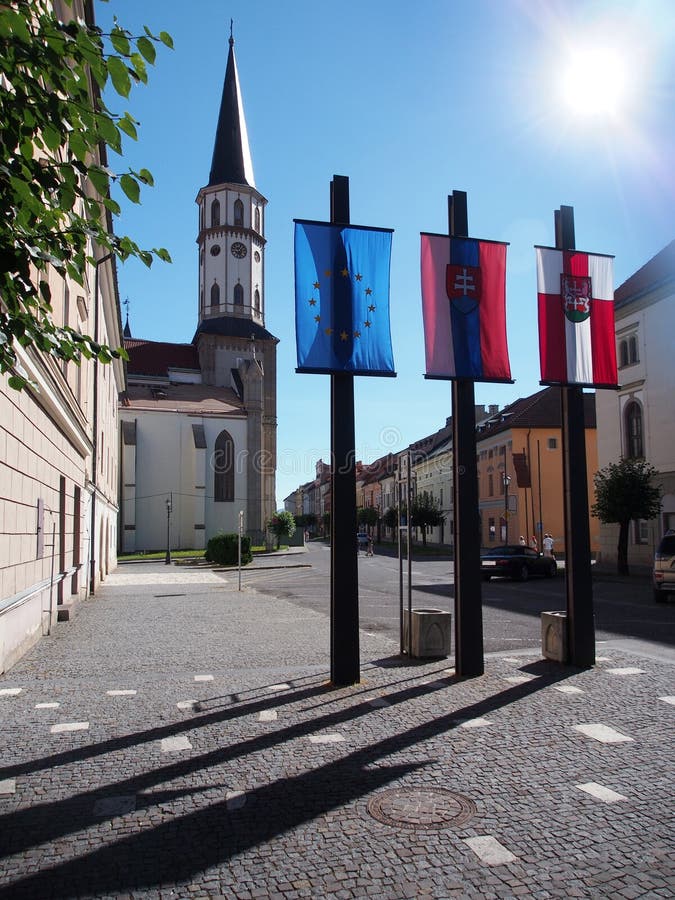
column 639, row 420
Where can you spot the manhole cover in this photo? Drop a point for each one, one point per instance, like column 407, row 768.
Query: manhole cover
column 421, row 807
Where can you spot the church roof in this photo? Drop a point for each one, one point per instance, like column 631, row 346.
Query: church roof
column 157, row 357
column 231, row 161
column 190, row 399
column 234, row 326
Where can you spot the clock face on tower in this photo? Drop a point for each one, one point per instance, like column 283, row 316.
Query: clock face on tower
column 238, row 249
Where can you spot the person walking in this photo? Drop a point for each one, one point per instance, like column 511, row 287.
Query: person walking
column 522, row 541
column 370, row 545
column 533, row 543
column 547, row 544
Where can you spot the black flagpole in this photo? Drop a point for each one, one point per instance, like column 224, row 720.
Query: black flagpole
column 344, row 580
column 468, row 603
column 578, row 579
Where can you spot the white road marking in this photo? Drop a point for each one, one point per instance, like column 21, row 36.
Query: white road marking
column 267, row 715
column 121, row 693
column 186, row 704
column 519, row 679
column 478, row 722
column 601, row 792
column 567, row 689
column 172, row 744
column 489, row 850
column 279, row 687
column 670, row 700
column 69, row 726
column 47, row 705
column 203, row 677
column 602, row 733
column 326, row 738
column 10, row 692
column 7, row 787
column 626, row 670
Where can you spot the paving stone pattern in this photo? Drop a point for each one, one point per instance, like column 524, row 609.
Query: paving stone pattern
column 193, row 789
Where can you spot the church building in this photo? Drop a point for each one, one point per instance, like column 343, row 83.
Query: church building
column 198, row 420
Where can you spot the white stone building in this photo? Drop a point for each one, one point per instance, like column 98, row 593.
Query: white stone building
column 198, row 420
column 639, row 419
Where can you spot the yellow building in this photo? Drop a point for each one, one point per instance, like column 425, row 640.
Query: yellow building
column 520, row 471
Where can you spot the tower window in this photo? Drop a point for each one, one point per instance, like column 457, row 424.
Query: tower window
column 623, row 354
column 238, row 295
column 239, row 213
column 633, row 422
column 632, row 350
column 257, row 219
column 215, row 294
column 223, row 468
column 215, row 213
column 256, row 299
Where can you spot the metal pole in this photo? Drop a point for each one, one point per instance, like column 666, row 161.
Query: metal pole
column 241, row 525
column 506, row 506
column 468, row 606
column 540, row 523
column 51, row 580
column 167, row 558
column 409, row 539
column 399, row 503
column 345, row 663
column 578, row 580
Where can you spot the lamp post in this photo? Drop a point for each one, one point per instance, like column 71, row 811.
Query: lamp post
column 167, row 560
column 507, row 482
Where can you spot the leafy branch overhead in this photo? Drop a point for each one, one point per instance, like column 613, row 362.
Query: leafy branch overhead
column 55, row 130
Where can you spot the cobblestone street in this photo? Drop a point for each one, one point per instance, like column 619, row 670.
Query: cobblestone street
column 179, row 739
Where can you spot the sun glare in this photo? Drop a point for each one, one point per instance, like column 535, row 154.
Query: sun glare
column 595, row 82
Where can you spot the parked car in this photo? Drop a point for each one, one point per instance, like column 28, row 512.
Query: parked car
column 664, row 567
column 515, row 561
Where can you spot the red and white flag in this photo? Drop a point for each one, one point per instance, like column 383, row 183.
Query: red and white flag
column 576, row 318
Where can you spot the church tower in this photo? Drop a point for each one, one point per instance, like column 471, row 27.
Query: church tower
column 235, row 349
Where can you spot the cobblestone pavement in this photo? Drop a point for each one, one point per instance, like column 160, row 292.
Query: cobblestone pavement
column 179, row 739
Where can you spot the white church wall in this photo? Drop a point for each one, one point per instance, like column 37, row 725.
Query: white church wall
column 224, row 516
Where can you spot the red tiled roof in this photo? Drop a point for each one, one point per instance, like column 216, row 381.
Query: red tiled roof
column 157, row 357
column 660, row 268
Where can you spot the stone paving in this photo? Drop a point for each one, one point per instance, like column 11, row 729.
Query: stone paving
column 179, row 739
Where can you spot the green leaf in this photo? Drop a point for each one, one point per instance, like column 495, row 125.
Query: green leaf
column 162, row 254
column 139, row 69
column 120, row 41
column 100, row 180
column 166, row 39
column 131, row 188
column 17, row 382
column 52, row 137
column 126, row 124
column 147, row 49
column 119, row 75
column 146, row 177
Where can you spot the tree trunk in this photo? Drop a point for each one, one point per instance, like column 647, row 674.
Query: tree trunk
column 622, row 549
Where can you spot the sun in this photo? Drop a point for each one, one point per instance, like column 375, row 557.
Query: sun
column 594, row 82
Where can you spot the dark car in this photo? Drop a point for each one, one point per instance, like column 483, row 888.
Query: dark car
column 664, row 567
column 514, row 561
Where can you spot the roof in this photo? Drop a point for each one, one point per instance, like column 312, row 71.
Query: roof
column 192, row 399
column 157, row 357
column 234, row 326
column 540, row 410
column 231, row 161
column 659, row 269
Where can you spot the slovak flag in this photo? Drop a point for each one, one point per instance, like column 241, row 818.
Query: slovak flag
column 464, row 308
column 575, row 294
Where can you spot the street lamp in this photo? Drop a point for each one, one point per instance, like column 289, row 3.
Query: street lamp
column 507, row 482
column 167, row 559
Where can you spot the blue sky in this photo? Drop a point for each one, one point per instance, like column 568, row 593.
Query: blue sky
column 410, row 102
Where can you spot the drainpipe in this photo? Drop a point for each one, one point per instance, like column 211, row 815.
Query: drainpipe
column 94, row 461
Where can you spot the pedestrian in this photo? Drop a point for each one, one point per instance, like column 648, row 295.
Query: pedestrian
column 370, row 545
column 521, row 541
column 547, row 544
column 533, row 543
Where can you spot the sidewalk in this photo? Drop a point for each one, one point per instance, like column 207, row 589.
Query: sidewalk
column 179, row 739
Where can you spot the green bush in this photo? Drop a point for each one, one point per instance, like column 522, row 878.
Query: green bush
column 222, row 549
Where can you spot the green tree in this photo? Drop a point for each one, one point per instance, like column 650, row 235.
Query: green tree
column 390, row 517
column 55, row 131
column 367, row 515
column 625, row 491
column 282, row 524
column 426, row 513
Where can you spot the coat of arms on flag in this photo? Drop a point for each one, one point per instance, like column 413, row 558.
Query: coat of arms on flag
column 464, row 308
column 342, row 299
column 576, row 318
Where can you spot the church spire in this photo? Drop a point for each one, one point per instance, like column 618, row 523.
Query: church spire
column 231, row 161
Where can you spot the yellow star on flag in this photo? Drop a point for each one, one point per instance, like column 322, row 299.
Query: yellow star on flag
column 317, row 318
column 371, row 308
column 357, row 334
column 312, row 302
column 369, row 291
column 343, row 335
column 358, row 277
column 345, row 273
column 367, row 323
column 316, row 284
column 328, row 331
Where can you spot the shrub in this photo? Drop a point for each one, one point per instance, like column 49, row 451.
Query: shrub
column 222, row 549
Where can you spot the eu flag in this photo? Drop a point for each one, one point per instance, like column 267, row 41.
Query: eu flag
column 342, row 299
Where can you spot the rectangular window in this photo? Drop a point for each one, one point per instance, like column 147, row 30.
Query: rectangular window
column 491, row 485
column 552, row 443
column 641, row 531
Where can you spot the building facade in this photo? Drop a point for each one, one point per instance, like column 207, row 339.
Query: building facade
column 638, row 420
column 198, row 432
column 59, row 460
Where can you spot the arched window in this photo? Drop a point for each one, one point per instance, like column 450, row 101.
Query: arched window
column 256, row 300
column 633, row 420
column 238, row 213
column 257, row 219
column 215, row 294
column 238, row 295
column 223, row 468
column 215, row 213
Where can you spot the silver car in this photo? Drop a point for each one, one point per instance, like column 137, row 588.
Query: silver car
column 664, row 567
